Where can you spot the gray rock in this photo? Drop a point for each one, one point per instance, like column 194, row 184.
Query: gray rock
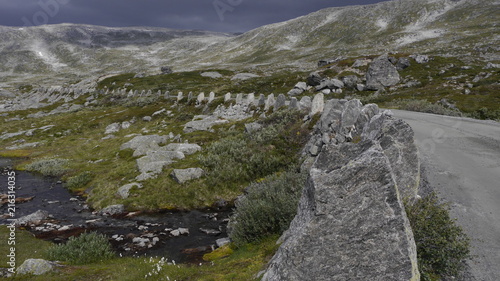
column 351, row 223
column 244, row 76
column 360, row 87
column 403, row 63
column 350, row 81
column 252, row 127
column 212, row 74
column 294, row 103
column 280, row 102
column 269, row 102
column 222, row 242
column 144, row 141
column 211, row 97
column 330, row 84
column 421, row 58
column 239, row 98
column 314, row 79
column 35, row 267
column 125, row 125
column 113, row 128
column 200, row 98
column 227, row 97
column 180, row 96
column 34, row 218
column 186, row 148
column 361, row 62
column 250, row 101
column 124, row 191
column 262, row 100
column 396, row 139
column 147, row 118
column 112, row 210
column 381, row 73
column 203, row 125
column 301, row 85
column 184, row 175
column 295, row 92
column 155, row 161
column 318, row 104
column 166, row 70
column 305, row 103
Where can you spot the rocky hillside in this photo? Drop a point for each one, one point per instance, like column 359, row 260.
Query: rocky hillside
column 448, row 27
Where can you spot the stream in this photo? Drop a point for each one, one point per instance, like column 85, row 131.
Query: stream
column 183, row 236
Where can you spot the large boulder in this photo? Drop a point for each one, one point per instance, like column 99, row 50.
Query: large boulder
column 381, row 73
column 351, row 223
column 35, row 267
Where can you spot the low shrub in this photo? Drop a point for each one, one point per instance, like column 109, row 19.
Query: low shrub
column 442, row 246
column 239, row 159
column 53, row 167
column 79, row 181
column 267, row 209
column 85, row 249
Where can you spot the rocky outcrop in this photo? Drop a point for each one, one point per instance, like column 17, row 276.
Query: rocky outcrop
column 351, row 224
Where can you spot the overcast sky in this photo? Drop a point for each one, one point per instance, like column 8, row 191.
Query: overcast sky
column 215, row 15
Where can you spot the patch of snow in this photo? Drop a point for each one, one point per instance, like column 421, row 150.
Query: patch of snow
column 382, row 24
column 41, row 51
column 419, row 36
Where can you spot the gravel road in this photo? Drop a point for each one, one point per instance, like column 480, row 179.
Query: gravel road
column 461, row 157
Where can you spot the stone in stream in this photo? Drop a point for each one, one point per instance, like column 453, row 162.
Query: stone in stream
column 34, row 218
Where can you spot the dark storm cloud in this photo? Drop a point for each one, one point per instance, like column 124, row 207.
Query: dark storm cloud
column 217, row 15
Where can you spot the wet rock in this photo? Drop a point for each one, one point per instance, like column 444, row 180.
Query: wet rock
column 35, row 267
column 222, row 242
column 211, row 232
column 184, row 175
column 34, row 218
column 112, row 210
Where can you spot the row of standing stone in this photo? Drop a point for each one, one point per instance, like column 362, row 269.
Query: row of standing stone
column 315, row 105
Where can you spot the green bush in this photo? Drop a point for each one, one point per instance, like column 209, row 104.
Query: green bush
column 85, row 249
column 53, row 167
column 79, row 181
column 442, row 246
column 239, row 159
column 267, row 209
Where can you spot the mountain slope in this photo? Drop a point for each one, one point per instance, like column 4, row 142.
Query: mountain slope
column 447, row 27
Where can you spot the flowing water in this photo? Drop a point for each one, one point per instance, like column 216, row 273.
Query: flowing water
column 153, row 234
